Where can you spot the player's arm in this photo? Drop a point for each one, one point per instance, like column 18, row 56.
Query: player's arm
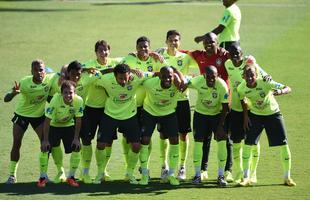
column 285, row 90
column 45, row 146
column 76, row 141
column 220, row 127
column 219, row 29
column 107, row 71
column 15, row 90
column 246, row 119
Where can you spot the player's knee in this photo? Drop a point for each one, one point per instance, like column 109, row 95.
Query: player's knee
column 100, row 146
column 135, row 147
column 174, row 140
column 145, row 140
column 86, row 142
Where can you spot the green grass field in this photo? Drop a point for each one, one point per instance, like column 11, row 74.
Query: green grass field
column 274, row 31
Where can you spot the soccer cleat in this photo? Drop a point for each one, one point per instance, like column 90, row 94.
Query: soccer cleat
column 42, row 182
column 238, row 177
column 107, row 177
column 72, row 182
column 196, row 180
column 60, row 177
column 163, row 175
column 228, row 177
column 11, row 180
column 132, row 180
column 289, row 182
column 182, row 174
column 221, row 182
column 99, row 178
column 204, row 175
column 144, row 180
column 173, row 180
column 253, row 178
column 245, row 182
column 86, row 179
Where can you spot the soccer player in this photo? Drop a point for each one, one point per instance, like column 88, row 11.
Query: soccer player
column 160, row 107
column 33, row 91
column 94, row 107
column 62, row 123
column 264, row 113
column 210, row 113
column 228, row 29
column 120, row 112
column 182, row 62
column 234, row 67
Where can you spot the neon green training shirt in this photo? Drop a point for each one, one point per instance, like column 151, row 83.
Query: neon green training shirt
column 231, row 20
column 61, row 114
column 209, row 99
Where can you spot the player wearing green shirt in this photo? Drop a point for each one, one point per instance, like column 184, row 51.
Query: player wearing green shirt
column 264, row 113
column 228, row 28
column 210, row 113
column 182, row 62
column 120, row 112
column 94, row 107
column 33, row 91
column 159, row 108
column 62, row 123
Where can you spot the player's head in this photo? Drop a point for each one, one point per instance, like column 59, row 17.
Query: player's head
column 250, row 75
column 210, row 43
column 68, row 91
column 102, row 49
column 166, row 77
column 211, row 75
column 122, row 74
column 143, row 47
column 74, row 70
column 173, row 39
column 236, row 54
column 228, row 3
column 38, row 70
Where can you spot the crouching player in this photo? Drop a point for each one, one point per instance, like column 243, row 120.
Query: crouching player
column 62, row 123
column 210, row 113
column 263, row 113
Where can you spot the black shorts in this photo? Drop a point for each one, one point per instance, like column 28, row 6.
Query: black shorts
column 23, row 122
column 130, row 128
column 66, row 134
column 274, row 127
column 139, row 115
column 168, row 124
column 228, row 44
column 205, row 125
column 183, row 112
column 90, row 122
column 235, row 119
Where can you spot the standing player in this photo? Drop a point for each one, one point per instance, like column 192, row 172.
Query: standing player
column 182, row 62
column 228, row 29
column 33, row 91
column 264, row 113
column 210, row 113
column 62, row 123
column 94, row 107
column 160, row 107
column 120, row 112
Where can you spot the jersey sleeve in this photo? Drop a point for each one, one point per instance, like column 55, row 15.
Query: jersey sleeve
column 79, row 107
column 240, row 90
column 275, row 85
column 227, row 18
column 50, row 110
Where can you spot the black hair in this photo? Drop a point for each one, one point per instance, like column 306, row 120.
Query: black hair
column 101, row 43
column 121, row 69
column 74, row 65
column 67, row 84
column 172, row 32
column 143, row 39
column 37, row 62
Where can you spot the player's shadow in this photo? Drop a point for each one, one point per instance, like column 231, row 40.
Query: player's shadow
column 132, row 3
column 109, row 188
column 35, row 10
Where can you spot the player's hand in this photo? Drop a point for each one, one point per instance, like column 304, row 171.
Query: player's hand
column 76, row 145
column 277, row 92
column 45, row 146
column 246, row 123
column 16, row 88
column 157, row 57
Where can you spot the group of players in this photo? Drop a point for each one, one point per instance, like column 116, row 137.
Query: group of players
column 131, row 95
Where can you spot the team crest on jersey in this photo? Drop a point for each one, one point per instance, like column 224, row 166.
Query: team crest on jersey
column 262, row 94
column 46, row 88
column 129, row 87
column 150, row 68
column 71, row 110
column 180, row 62
column 214, row 95
column 218, row 61
column 49, row 110
column 172, row 94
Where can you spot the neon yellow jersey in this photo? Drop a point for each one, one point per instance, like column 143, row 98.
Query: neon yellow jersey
column 159, row 101
column 235, row 78
column 150, row 65
column 182, row 62
column 261, row 99
column 121, row 102
column 32, row 97
column 96, row 96
column 209, row 99
column 231, row 20
column 61, row 114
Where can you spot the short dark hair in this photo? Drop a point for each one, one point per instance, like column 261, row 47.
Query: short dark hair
column 210, row 69
column 143, row 39
column 101, row 43
column 172, row 32
column 234, row 47
column 67, row 84
column 121, row 69
column 74, row 65
column 37, row 62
